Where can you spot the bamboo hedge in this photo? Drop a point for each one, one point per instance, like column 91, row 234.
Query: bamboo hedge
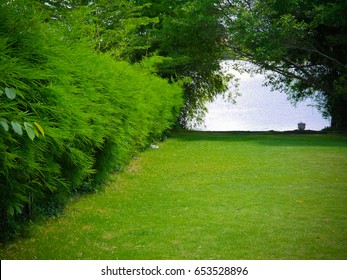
column 68, row 115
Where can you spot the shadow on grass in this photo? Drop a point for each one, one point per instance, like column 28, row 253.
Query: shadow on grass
column 269, row 138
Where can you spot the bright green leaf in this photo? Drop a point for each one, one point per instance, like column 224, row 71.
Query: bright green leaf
column 10, row 93
column 17, row 128
column 1, row 92
column 30, row 130
column 3, row 123
column 40, row 128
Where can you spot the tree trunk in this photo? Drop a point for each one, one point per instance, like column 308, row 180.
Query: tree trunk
column 339, row 114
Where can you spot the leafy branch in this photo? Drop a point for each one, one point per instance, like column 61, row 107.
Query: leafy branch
column 31, row 130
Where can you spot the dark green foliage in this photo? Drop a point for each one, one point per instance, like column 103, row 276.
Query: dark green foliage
column 191, row 38
column 303, row 43
column 68, row 115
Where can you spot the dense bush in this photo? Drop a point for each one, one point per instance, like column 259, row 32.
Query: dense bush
column 68, row 115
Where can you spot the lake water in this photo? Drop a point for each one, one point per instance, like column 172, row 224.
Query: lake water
column 260, row 109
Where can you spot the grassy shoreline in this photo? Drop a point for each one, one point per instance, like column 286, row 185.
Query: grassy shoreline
column 205, row 195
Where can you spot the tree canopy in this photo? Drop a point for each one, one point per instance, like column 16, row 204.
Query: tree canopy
column 178, row 40
column 302, row 43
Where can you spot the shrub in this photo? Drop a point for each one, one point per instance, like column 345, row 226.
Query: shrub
column 68, row 116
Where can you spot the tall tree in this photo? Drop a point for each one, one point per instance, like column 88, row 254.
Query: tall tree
column 302, row 42
column 107, row 26
column 190, row 37
column 180, row 40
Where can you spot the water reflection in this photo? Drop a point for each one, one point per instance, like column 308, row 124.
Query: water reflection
column 259, row 109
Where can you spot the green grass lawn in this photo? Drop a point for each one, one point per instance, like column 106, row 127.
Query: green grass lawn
column 210, row 196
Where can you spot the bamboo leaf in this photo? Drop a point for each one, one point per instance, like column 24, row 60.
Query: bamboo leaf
column 3, row 123
column 10, row 211
column 36, row 132
column 39, row 127
column 17, row 128
column 30, row 130
column 10, row 93
column 18, row 209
